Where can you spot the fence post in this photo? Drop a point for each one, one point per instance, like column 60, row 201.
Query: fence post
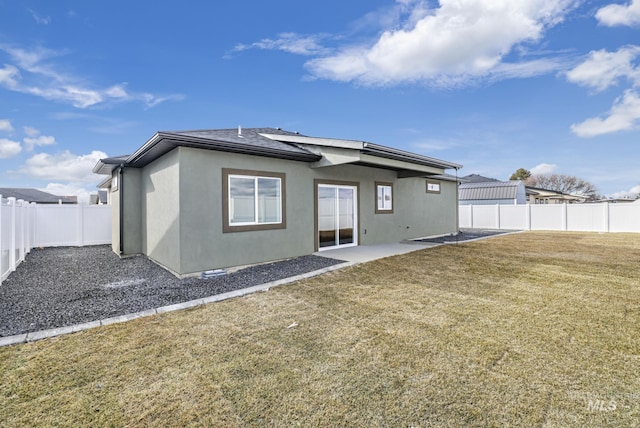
column 80, row 225
column 35, row 225
column 498, row 216
column 34, row 222
column 1, row 268
column 527, row 217
column 22, row 230
column 607, row 226
column 29, row 226
column 27, row 230
column 12, row 241
column 471, row 215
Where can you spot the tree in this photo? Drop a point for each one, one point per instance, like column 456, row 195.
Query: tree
column 568, row 184
column 520, row 174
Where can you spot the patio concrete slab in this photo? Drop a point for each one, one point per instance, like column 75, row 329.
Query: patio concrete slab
column 367, row 253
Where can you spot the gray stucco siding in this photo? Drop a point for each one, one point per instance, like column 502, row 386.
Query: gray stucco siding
column 204, row 244
column 180, row 198
column 160, row 197
column 131, row 211
column 426, row 214
column 115, row 217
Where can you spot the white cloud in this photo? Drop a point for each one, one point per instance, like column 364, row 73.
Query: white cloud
column 287, row 42
column 64, row 166
column 41, row 140
column 5, row 125
column 631, row 193
column 34, row 139
column 44, row 20
column 8, row 76
column 603, row 69
column 543, row 168
column 620, row 14
column 623, row 116
column 31, row 131
column 9, row 148
column 70, row 189
column 456, row 43
column 34, row 74
column 152, row 100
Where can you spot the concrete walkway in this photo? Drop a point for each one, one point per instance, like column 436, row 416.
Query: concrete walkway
column 367, row 253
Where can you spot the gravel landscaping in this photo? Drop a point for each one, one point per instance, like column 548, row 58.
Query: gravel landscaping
column 466, row 235
column 57, row 287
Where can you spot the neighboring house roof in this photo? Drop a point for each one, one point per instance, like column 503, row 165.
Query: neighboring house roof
column 277, row 143
column 489, row 190
column 98, row 198
column 618, row 200
column 103, row 196
column 475, row 178
column 553, row 194
column 37, row 196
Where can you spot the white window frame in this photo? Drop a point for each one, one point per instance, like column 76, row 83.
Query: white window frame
column 114, row 181
column 228, row 225
column 256, row 200
column 433, row 186
column 385, row 187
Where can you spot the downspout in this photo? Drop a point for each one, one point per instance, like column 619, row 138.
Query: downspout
column 121, row 208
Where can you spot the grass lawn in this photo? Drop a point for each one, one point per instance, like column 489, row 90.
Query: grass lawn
column 531, row 329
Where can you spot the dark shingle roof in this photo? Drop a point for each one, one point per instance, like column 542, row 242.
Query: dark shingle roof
column 247, row 137
column 250, row 141
column 35, row 195
column 475, row 178
column 228, row 140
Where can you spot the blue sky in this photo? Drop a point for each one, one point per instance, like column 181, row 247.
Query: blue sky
column 547, row 85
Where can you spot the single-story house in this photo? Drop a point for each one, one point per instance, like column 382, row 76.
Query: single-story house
column 37, row 196
column 537, row 195
column 199, row 200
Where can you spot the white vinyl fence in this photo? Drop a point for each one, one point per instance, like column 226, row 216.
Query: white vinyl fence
column 564, row 217
column 24, row 226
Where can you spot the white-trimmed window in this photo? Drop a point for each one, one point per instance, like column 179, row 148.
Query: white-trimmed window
column 253, row 200
column 384, row 198
column 114, row 181
column 433, row 186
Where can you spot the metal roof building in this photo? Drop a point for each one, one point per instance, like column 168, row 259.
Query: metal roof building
column 492, row 193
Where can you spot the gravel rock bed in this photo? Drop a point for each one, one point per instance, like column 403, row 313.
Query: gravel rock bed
column 466, row 235
column 57, row 287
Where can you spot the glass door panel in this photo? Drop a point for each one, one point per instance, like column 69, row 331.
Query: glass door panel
column 337, row 216
column 327, row 220
column 346, row 216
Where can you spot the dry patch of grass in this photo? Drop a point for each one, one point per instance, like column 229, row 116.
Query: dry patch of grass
column 533, row 329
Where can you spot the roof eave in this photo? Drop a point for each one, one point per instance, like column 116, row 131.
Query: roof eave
column 171, row 140
column 391, row 153
column 105, row 184
column 107, row 165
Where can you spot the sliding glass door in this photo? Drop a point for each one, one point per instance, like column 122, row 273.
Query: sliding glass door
column 337, row 216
